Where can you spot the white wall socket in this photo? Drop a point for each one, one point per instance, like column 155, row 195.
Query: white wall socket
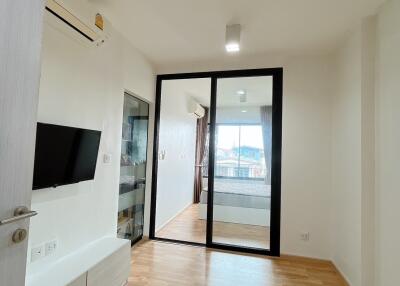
column 305, row 236
column 50, row 247
column 37, row 252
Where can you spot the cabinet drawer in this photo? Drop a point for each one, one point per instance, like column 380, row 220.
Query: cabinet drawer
column 112, row 271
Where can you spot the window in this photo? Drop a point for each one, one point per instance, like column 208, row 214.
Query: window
column 239, row 152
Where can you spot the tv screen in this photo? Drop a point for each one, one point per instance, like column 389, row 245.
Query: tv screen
column 64, row 155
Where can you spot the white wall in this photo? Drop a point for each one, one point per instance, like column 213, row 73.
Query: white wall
column 83, row 86
column 353, row 155
column 139, row 79
column 387, row 145
column 368, row 75
column 175, row 183
column 306, row 158
column 346, row 161
column 306, row 161
column 365, row 250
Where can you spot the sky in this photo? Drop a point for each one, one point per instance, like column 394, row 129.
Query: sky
column 228, row 136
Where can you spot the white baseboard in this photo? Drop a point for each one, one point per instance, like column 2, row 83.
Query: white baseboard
column 338, row 270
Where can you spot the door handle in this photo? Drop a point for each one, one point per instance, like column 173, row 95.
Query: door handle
column 19, row 214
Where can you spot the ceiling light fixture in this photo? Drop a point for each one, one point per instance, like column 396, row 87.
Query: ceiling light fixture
column 232, row 38
column 241, row 92
column 244, row 111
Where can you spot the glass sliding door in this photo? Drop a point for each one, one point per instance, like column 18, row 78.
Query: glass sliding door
column 181, row 207
column 242, row 167
column 133, row 164
column 217, row 160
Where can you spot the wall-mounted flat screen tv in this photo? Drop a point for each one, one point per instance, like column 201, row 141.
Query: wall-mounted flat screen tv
column 64, row 155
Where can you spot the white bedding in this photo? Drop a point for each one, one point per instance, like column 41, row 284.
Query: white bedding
column 241, row 187
column 239, row 193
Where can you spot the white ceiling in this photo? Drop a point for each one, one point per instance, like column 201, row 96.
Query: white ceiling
column 258, row 91
column 179, row 31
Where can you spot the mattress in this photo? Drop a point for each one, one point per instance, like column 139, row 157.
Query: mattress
column 239, row 193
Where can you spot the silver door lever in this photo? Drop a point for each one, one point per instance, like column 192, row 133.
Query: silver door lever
column 19, row 214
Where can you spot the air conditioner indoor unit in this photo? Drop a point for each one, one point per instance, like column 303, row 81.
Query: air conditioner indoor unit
column 196, row 109
column 82, row 18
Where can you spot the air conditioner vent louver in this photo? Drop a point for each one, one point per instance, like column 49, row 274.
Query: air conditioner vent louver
column 196, row 109
column 71, row 25
column 91, row 32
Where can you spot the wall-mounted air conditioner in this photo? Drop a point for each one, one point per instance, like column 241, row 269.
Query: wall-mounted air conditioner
column 196, row 109
column 83, row 19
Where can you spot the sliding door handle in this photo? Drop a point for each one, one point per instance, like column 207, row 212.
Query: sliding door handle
column 20, row 213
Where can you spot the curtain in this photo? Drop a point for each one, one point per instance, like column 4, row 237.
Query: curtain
column 266, row 124
column 202, row 124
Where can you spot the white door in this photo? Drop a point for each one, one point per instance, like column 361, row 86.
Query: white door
column 20, row 47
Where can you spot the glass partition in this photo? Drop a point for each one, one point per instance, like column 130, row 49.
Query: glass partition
column 242, row 182
column 181, row 208
column 217, row 160
column 133, row 164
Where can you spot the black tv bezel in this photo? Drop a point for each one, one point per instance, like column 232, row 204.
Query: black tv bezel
column 66, row 183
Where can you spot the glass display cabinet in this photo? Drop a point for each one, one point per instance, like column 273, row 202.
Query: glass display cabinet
column 133, row 168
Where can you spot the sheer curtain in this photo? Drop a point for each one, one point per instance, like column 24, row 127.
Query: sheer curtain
column 202, row 124
column 266, row 124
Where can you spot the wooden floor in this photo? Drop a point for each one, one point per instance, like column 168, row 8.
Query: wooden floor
column 156, row 263
column 188, row 227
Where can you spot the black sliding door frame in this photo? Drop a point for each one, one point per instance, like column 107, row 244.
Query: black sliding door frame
column 277, row 76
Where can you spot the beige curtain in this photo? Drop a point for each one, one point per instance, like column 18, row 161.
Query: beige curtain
column 201, row 137
column 266, row 124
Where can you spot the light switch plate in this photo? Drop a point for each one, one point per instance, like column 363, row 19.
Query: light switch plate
column 161, row 155
column 37, row 252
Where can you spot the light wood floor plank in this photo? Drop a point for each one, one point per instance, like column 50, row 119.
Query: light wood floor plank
column 157, row 263
column 188, row 227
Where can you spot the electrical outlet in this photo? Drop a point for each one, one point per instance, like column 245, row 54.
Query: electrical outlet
column 37, row 252
column 50, row 247
column 305, row 236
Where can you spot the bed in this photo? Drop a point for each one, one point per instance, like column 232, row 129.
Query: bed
column 238, row 201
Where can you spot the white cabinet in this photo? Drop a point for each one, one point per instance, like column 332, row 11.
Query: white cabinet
column 81, row 281
column 105, row 262
column 112, row 271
